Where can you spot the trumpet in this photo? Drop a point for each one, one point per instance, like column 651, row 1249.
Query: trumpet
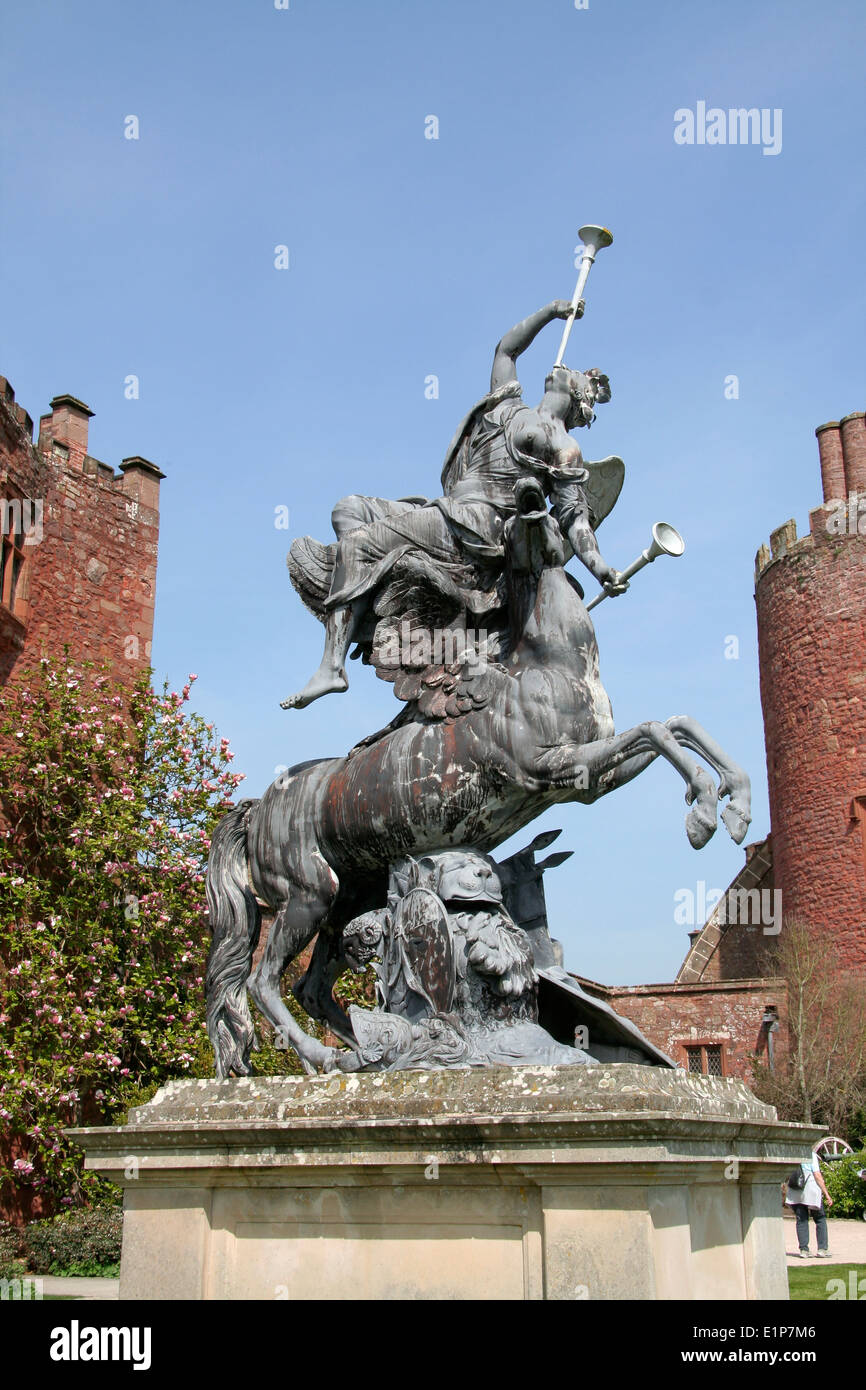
column 665, row 541
column 594, row 240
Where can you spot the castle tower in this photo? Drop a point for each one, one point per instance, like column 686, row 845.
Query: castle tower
column 78, row 543
column 811, row 605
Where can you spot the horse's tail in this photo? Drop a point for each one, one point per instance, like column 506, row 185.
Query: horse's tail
column 235, row 923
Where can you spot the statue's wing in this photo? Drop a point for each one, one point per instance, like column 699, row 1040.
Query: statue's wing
column 603, row 486
column 442, row 672
column 426, row 948
column 493, row 398
column 311, row 565
column 421, row 646
column 501, row 951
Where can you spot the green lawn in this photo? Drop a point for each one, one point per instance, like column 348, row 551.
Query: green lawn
column 810, row 1281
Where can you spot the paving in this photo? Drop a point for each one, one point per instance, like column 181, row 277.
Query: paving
column 847, row 1241
column 91, row 1290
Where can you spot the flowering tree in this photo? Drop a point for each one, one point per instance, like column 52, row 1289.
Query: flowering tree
column 108, row 796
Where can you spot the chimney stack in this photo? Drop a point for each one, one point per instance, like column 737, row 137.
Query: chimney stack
column 853, row 432
column 141, row 480
column 842, row 450
column 832, row 461
column 67, row 424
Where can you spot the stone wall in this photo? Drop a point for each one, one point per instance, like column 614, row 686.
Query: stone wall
column 86, row 549
column 728, row 1015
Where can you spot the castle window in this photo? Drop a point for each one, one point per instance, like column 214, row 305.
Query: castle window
column 858, row 813
column 706, row 1059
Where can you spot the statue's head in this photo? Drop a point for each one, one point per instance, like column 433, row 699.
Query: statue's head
column 453, row 875
column 577, row 393
column 467, row 877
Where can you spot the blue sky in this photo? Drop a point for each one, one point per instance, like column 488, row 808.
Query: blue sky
column 410, row 257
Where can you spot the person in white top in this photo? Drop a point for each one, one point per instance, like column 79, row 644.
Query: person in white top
column 809, row 1196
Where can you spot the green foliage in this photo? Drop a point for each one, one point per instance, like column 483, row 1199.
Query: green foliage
column 358, row 989
column 272, row 1061
column 847, row 1190
column 76, row 1242
column 108, row 796
column 856, row 1134
column 11, row 1251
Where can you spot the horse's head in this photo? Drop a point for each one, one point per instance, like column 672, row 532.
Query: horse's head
column 532, row 538
column 544, row 602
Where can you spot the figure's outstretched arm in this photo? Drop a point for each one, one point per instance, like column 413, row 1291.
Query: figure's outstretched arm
column 572, row 513
column 518, row 339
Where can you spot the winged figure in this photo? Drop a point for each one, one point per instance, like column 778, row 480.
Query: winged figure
column 416, row 585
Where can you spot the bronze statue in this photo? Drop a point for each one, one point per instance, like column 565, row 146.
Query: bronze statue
column 375, row 853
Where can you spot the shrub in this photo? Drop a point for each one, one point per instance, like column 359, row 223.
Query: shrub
column 76, row 1242
column 847, row 1190
column 11, row 1251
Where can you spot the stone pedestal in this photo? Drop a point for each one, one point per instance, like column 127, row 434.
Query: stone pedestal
column 606, row 1182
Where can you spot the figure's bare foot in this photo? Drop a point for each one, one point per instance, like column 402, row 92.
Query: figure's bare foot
column 322, row 683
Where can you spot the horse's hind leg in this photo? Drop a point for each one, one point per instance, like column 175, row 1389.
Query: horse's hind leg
column 610, row 762
column 733, row 780
column 295, row 924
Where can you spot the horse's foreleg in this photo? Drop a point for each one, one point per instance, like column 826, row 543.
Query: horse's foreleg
column 294, row 925
column 610, row 762
column 733, row 780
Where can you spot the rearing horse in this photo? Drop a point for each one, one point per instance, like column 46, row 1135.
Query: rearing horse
column 538, row 729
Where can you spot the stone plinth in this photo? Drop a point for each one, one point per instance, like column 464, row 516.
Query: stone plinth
column 606, row 1182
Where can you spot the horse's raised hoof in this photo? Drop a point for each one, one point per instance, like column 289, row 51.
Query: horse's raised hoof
column 700, row 825
column 737, row 822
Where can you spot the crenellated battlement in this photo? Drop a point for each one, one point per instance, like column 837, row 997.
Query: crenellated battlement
column 18, row 413
column 839, row 520
column 842, row 514
column 63, row 441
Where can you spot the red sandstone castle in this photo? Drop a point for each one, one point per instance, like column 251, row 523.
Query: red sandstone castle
column 811, row 606
column 77, row 543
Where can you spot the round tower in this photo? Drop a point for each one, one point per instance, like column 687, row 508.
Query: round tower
column 811, row 602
